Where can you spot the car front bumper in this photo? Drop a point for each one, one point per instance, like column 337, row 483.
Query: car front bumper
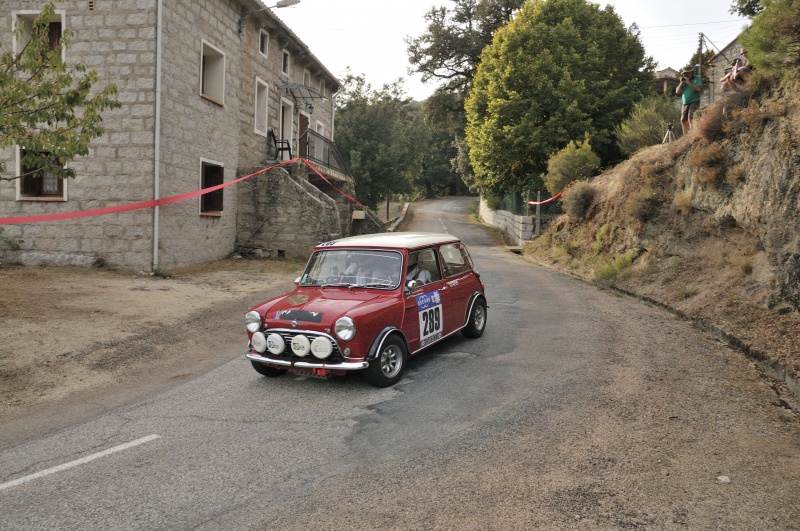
column 302, row 364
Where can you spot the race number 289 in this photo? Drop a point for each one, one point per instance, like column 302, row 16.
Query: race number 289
column 429, row 306
column 431, row 321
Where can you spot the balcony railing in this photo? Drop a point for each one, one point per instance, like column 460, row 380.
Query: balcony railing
column 318, row 149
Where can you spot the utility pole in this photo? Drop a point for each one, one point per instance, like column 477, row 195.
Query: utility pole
column 700, row 56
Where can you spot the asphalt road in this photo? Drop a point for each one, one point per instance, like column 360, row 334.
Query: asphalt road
column 576, row 409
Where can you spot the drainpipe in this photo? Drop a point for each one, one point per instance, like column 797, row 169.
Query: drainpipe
column 157, row 135
column 333, row 114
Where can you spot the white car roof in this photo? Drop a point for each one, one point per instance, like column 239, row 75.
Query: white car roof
column 394, row 240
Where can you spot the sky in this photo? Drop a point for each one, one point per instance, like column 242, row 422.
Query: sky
column 369, row 35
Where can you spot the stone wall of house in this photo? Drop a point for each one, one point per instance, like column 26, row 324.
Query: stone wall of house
column 195, row 130
column 719, row 63
column 117, row 39
column 283, row 214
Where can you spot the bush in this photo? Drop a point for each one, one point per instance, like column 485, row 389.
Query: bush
column 707, row 156
column 711, row 123
column 773, row 41
column 645, row 204
column 577, row 199
column 576, row 161
column 647, row 124
column 619, row 264
column 493, row 202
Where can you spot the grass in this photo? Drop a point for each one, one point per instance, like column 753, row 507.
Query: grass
column 686, row 293
column 615, row 267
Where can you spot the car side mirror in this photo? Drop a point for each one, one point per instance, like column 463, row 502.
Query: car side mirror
column 297, row 280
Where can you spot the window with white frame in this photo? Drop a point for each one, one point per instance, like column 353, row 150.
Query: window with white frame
column 24, row 21
column 306, row 77
column 263, row 42
column 41, row 184
column 212, row 174
column 261, row 104
column 212, row 73
column 285, row 63
column 38, row 184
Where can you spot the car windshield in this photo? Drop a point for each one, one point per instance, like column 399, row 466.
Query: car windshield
column 355, row 268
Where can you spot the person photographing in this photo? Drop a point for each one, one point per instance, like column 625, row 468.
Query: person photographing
column 689, row 88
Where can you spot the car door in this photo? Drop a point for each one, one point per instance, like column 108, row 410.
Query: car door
column 426, row 305
column 458, row 283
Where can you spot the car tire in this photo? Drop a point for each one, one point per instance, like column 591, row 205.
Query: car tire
column 270, row 372
column 477, row 320
column 389, row 365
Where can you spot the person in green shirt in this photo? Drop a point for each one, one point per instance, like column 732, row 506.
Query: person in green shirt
column 689, row 88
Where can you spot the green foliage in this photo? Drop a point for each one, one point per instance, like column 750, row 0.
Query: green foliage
column 746, row 8
column 493, row 202
column 384, row 137
column 50, row 110
column 576, row 161
column 647, row 124
column 559, row 69
column 773, row 41
column 449, row 52
column 619, row 264
column 578, row 199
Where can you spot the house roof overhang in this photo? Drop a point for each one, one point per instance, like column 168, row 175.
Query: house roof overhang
column 301, row 92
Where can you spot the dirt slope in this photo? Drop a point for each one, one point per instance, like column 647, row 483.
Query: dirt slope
column 708, row 226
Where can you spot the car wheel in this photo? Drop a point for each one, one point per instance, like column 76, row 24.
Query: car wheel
column 390, row 364
column 271, row 372
column 477, row 320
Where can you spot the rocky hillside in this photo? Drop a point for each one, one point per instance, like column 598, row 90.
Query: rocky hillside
column 708, row 226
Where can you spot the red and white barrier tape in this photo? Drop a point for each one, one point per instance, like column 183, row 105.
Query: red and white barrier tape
column 534, row 203
column 153, row 202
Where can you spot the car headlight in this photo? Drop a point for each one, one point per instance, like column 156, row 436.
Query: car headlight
column 252, row 321
column 345, row 328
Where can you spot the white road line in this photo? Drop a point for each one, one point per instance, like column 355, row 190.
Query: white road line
column 78, row 462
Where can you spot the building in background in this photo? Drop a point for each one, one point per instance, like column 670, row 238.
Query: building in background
column 208, row 94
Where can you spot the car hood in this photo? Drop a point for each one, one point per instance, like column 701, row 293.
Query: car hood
column 321, row 306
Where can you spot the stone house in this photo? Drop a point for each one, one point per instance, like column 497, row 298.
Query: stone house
column 666, row 81
column 720, row 64
column 211, row 90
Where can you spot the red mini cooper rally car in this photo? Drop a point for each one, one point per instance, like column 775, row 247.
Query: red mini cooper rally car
column 367, row 303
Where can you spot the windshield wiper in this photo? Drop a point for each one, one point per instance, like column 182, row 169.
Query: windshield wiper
column 338, row 285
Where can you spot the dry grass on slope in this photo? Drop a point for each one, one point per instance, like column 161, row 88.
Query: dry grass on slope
column 650, row 231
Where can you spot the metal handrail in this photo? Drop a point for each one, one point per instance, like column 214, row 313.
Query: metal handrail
column 323, row 151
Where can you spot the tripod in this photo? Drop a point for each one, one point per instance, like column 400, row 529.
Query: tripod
column 669, row 136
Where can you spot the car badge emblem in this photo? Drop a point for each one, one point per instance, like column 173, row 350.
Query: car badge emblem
column 294, row 324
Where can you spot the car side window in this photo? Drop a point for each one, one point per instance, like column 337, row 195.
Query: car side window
column 455, row 259
column 423, row 266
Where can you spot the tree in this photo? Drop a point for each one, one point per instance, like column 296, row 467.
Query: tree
column 647, row 124
column 449, row 52
column 48, row 109
column 746, row 8
column 773, row 40
column 559, row 69
column 382, row 136
column 576, row 161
